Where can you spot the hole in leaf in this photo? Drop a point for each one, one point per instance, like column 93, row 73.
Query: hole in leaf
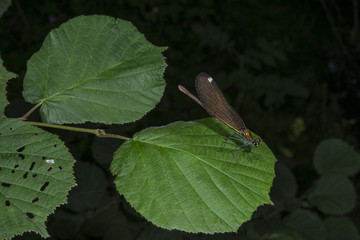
column 50, row 168
column 16, row 166
column 60, row 167
column 25, row 175
column 32, row 166
column 13, row 171
column 7, row 203
column 11, row 129
column 54, row 145
column 35, row 134
column 34, row 175
column 35, row 200
column 44, row 186
column 6, row 184
column 22, row 156
column 30, row 215
column 43, row 157
column 20, row 149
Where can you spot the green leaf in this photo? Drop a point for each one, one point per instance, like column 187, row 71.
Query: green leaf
column 97, row 69
column 35, row 177
column 4, row 77
column 336, row 156
column 340, row 228
column 178, row 177
column 333, row 194
column 308, row 224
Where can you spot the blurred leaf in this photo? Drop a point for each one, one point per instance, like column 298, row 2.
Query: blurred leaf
column 268, row 60
column 95, row 68
column 213, row 37
column 297, row 127
column 276, row 88
column 177, row 177
column 103, row 150
column 308, row 224
column 35, row 176
column 106, row 221
column 267, row 47
column 336, row 156
column 4, row 77
column 340, row 228
column 4, row 5
column 285, row 151
column 264, row 52
column 91, row 187
column 284, row 187
column 155, row 233
column 252, row 58
column 333, row 194
column 66, row 225
column 268, row 222
column 283, row 235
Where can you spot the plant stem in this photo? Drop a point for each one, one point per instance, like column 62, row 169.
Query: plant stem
column 97, row 132
column 26, row 115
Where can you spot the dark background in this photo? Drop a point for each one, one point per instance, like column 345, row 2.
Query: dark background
column 290, row 69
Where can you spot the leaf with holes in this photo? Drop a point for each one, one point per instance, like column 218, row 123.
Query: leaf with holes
column 36, row 173
column 97, row 69
column 4, row 77
column 179, row 177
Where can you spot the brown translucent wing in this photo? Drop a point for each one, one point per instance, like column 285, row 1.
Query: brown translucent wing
column 215, row 103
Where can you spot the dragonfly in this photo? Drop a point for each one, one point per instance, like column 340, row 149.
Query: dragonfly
column 214, row 102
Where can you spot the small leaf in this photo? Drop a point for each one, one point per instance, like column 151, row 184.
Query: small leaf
column 333, row 194
column 340, row 228
column 178, row 177
column 35, row 177
column 97, row 69
column 4, row 77
column 308, row 224
column 336, row 156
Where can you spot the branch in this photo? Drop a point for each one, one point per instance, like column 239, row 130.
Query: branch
column 97, row 132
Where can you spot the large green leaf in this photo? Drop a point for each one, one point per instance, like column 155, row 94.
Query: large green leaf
column 333, row 194
column 4, row 77
column 178, row 177
column 95, row 68
column 35, row 176
column 336, row 156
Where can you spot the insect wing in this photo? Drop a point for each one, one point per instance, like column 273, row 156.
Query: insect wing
column 215, row 103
